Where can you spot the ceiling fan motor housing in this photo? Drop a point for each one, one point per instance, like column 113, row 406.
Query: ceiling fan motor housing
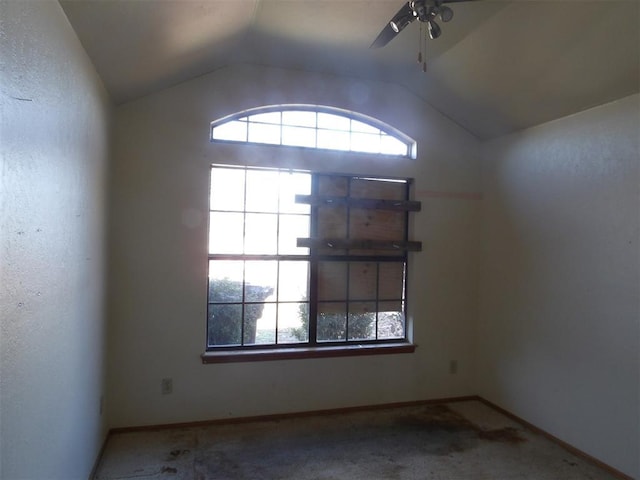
column 423, row 10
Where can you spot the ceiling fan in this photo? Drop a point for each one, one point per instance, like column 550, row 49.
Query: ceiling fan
column 423, row 10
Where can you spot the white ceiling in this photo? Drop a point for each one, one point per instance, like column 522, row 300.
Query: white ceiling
column 499, row 65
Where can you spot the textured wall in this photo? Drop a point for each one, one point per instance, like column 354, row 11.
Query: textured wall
column 158, row 302
column 559, row 325
column 54, row 128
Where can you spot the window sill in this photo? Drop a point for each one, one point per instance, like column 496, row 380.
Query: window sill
column 309, row 352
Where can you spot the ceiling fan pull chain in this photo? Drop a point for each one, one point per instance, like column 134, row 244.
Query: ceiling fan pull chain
column 420, row 45
column 424, row 63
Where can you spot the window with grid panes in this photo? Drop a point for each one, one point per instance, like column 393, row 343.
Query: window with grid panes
column 302, row 259
column 313, row 126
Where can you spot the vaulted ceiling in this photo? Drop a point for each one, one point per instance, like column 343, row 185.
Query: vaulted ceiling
column 499, row 65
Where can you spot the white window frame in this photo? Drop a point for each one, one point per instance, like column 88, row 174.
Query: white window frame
column 349, row 132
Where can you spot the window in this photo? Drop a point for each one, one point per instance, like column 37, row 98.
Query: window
column 306, row 260
column 311, row 126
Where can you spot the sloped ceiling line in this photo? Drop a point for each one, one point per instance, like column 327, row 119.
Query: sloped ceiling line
column 499, row 66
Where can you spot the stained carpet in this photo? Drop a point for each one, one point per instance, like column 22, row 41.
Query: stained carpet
column 456, row 441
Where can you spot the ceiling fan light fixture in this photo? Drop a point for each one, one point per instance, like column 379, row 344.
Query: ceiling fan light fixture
column 434, row 29
column 446, row 14
column 399, row 24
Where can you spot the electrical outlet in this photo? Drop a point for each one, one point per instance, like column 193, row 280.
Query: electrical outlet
column 166, row 386
column 453, row 367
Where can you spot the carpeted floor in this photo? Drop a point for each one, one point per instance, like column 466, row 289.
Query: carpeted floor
column 456, row 441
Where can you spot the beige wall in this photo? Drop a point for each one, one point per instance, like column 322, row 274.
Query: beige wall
column 158, row 300
column 54, row 129
column 559, row 318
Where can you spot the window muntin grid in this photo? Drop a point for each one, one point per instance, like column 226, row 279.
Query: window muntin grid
column 313, row 127
column 249, row 282
column 253, row 224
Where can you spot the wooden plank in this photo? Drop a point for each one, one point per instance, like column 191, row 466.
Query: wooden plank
column 364, row 203
column 347, row 243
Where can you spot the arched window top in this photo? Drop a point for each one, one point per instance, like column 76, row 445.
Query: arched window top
column 313, row 126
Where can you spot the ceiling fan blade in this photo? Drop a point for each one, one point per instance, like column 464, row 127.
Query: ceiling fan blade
column 385, row 36
column 400, row 20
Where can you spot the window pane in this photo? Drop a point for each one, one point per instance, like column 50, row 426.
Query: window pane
column 234, row 130
column 266, row 326
column 261, row 235
column 299, row 136
column 293, row 322
column 262, row 190
column 384, row 190
column 225, row 280
column 362, row 280
column 252, row 314
column 334, row 140
column 269, row 117
column 391, row 281
column 299, row 118
column 332, row 222
column 293, row 281
column 292, row 184
column 376, row 224
column 333, row 186
column 261, row 280
column 265, row 323
column 362, row 321
column 332, row 322
column 264, row 133
column 332, row 281
column 390, row 320
column 334, row 122
column 357, row 126
column 392, row 146
column 225, row 232
column 365, row 142
column 293, row 227
column 227, row 189
column 225, row 324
